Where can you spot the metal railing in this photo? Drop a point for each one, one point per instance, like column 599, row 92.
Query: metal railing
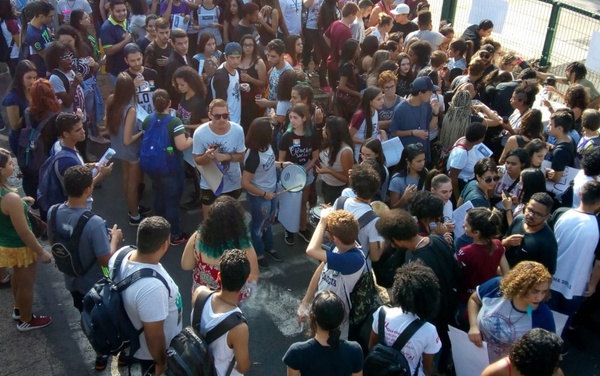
column 548, row 30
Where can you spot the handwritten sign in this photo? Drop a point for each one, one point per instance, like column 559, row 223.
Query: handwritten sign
column 561, row 186
column 392, row 149
column 592, row 61
column 459, row 216
column 491, row 10
column 469, row 360
column 144, row 101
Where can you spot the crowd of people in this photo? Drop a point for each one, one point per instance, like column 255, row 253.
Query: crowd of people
column 243, row 90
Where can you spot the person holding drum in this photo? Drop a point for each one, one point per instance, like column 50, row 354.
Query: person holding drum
column 259, row 179
column 300, row 146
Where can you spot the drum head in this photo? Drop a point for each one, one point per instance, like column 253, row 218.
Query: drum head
column 316, row 211
column 293, row 178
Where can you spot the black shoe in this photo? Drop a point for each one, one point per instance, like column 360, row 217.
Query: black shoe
column 135, row 222
column 192, row 204
column 274, row 255
column 289, row 238
column 101, row 362
column 179, row 239
column 144, row 210
column 305, row 234
column 263, row 263
column 123, row 360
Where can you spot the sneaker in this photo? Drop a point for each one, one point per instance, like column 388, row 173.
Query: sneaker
column 179, row 239
column 135, row 222
column 123, row 360
column 274, row 255
column 326, row 89
column 101, row 362
column 289, row 238
column 35, row 323
column 143, row 210
column 263, row 263
column 305, row 234
column 16, row 315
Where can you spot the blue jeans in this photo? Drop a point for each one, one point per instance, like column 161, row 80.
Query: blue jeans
column 168, row 190
column 261, row 226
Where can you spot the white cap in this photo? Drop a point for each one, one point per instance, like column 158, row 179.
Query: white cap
column 400, row 9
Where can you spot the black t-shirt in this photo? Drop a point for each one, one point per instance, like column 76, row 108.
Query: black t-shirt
column 313, row 359
column 150, row 76
column 501, row 101
column 405, row 29
column 540, row 246
column 152, row 54
column 563, row 155
column 143, row 43
column 192, row 111
column 351, row 71
column 240, row 30
column 470, row 33
column 298, row 149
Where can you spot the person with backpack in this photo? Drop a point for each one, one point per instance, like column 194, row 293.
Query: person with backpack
column 400, row 228
column 163, row 140
column 38, row 36
column 415, row 296
column 19, row 249
column 38, row 133
column 153, row 305
column 325, row 354
column 341, row 267
column 75, row 231
column 229, row 349
column 51, row 188
column 10, row 35
column 65, row 81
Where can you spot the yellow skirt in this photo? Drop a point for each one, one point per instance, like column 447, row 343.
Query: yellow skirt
column 16, row 257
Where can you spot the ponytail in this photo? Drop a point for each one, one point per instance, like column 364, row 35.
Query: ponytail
column 334, row 338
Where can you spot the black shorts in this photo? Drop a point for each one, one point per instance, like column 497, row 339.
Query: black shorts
column 207, row 196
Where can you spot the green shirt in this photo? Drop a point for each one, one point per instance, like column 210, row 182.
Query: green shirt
column 8, row 235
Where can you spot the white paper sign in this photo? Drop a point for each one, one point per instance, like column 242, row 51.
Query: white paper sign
column 593, row 58
column 392, row 149
column 492, row 10
column 145, row 101
column 560, row 321
column 483, row 151
column 179, row 22
column 568, row 175
column 469, row 360
column 459, row 215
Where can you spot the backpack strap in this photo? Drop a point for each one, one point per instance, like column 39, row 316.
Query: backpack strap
column 381, row 326
column 234, row 319
column 407, row 334
column 340, row 202
column 135, row 276
column 75, row 239
column 199, row 304
column 63, row 77
column 366, row 218
column 52, row 219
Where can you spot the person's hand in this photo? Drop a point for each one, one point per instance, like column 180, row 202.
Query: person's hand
column 266, row 10
column 325, row 212
column 116, row 234
column 221, row 157
column 550, row 173
column 269, row 196
column 513, row 240
column 475, row 336
column 245, row 77
column 285, row 164
column 78, row 79
column 45, row 257
column 449, row 225
column 423, row 135
column 435, row 105
column 105, row 169
column 591, row 289
column 322, row 170
column 546, row 103
column 262, row 102
column 506, row 201
column 550, row 89
column 127, row 37
column 138, row 81
column 319, row 115
column 210, row 153
column 79, row 113
column 410, row 191
column 382, row 135
column 29, row 200
column 186, row 18
column 515, row 199
column 440, row 229
column 449, row 238
column 302, row 313
column 162, row 61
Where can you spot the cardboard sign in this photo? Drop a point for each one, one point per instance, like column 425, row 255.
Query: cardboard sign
column 561, row 186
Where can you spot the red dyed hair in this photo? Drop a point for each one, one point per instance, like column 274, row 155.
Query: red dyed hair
column 43, row 100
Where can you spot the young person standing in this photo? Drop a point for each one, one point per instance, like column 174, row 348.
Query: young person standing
column 225, row 84
column 158, row 51
column 114, row 36
column 335, row 37
column 38, row 36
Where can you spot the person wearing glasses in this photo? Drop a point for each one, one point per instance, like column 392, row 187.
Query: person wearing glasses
column 387, row 82
column 480, row 190
column 64, row 80
column 486, row 54
column 529, row 238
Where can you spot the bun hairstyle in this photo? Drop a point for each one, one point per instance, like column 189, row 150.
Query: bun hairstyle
column 487, row 223
column 161, row 100
column 327, row 313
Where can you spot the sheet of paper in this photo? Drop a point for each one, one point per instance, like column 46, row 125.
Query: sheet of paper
column 469, row 360
column 560, row 321
column 459, row 216
column 492, row 10
column 593, row 58
column 392, row 149
column 559, row 187
column 179, row 22
column 483, row 151
column 213, row 175
column 141, row 114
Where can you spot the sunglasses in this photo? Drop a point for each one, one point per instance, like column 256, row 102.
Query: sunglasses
column 484, row 56
column 67, row 56
column 221, row 116
column 489, row 180
column 416, row 147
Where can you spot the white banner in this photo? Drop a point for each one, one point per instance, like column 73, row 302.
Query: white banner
column 491, row 10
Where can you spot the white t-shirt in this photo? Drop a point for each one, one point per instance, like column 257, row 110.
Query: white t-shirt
column 292, row 12
column 14, row 52
column 148, row 300
column 229, row 143
column 464, row 161
column 313, row 12
column 377, row 33
column 424, row 341
column 59, row 87
column 580, row 179
column 577, row 236
column 358, row 29
column 65, row 7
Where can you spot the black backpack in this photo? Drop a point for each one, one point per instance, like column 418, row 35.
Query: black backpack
column 104, row 320
column 389, row 361
column 189, row 354
column 30, row 153
column 66, row 251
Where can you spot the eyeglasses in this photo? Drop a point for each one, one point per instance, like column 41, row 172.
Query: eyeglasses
column 534, row 213
column 389, row 87
column 248, row 44
column 221, row 116
column 67, row 56
column 416, row 147
column 484, row 56
column 488, row 180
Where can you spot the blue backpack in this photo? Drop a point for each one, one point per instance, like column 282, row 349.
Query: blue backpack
column 155, row 159
column 51, row 189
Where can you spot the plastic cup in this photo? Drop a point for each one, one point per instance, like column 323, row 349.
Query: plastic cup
column 245, row 87
column 257, row 97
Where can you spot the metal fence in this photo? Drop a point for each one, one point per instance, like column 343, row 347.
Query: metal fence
column 549, row 30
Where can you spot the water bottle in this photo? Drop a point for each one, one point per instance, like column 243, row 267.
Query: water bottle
column 144, row 86
column 170, row 151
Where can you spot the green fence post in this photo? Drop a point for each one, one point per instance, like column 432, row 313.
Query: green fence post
column 449, row 10
column 550, row 33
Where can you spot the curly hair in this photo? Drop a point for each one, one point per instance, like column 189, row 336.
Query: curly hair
column 224, row 227
column 192, row 78
column 531, row 125
column 365, row 181
column 577, row 97
column 416, row 289
column 43, row 101
column 522, row 278
column 385, row 77
column 397, row 224
column 426, row 206
column 53, row 53
column 537, row 353
column 234, row 268
column 343, row 225
column 590, row 163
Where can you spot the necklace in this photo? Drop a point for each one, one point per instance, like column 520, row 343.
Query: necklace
column 512, row 308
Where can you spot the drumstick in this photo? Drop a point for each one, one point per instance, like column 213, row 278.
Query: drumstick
column 289, row 189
